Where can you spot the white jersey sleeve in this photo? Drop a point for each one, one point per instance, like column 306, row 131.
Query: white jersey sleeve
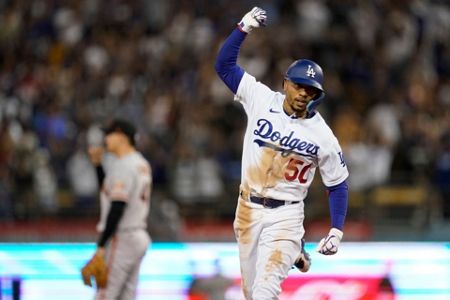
column 250, row 92
column 332, row 166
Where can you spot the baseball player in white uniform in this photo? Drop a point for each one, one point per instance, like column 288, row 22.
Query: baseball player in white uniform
column 286, row 140
column 124, row 209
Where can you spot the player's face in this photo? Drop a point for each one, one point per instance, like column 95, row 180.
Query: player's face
column 113, row 141
column 297, row 97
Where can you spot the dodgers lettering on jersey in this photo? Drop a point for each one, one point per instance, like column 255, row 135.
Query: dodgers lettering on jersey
column 127, row 179
column 288, row 143
column 281, row 153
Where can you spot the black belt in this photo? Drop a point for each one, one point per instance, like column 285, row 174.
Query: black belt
column 271, row 203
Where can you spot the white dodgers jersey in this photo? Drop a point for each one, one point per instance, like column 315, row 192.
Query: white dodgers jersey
column 127, row 179
column 280, row 152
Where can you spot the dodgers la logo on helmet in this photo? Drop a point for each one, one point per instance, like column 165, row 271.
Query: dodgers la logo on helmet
column 310, row 72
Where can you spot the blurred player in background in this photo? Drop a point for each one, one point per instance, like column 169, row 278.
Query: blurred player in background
column 285, row 141
column 124, row 208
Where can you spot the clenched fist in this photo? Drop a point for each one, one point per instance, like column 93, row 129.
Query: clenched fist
column 255, row 18
column 329, row 244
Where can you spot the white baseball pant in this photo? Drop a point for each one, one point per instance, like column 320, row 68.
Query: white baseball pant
column 269, row 241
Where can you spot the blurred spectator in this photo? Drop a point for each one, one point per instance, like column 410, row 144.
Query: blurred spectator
column 196, row 179
column 442, row 173
column 6, row 152
column 6, row 205
column 45, row 183
column 164, row 220
column 83, row 181
column 23, row 167
column 366, row 152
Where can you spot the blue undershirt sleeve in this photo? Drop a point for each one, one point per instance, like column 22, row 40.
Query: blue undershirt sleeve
column 226, row 67
column 338, row 200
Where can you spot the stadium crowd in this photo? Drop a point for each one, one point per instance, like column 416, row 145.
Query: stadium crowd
column 68, row 66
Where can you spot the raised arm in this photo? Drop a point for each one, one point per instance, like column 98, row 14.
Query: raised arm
column 226, row 66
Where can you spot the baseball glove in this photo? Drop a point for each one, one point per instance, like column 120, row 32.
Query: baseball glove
column 303, row 263
column 96, row 268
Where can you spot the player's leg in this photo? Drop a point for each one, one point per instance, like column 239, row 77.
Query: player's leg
column 279, row 246
column 247, row 228
column 141, row 241
column 121, row 259
column 130, row 287
column 116, row 276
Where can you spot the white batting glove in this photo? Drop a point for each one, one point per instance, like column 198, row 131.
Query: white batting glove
column 329, row 244
column 255, row 18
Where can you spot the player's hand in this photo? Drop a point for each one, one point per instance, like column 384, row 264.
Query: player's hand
column 255, row 18
column 95, row 154
column 329, row 244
